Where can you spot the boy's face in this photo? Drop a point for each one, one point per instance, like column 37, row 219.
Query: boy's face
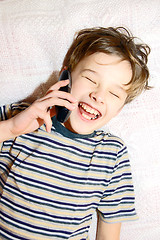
column 98, row 84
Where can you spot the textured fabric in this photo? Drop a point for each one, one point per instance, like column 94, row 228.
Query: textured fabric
column 56, row 183
column 34, row 37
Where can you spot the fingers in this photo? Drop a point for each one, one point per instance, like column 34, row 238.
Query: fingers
column 35, row 117
column 55, row 97
column 60, row 95
column 48, row 122
column 58, row 85
column 42, row 110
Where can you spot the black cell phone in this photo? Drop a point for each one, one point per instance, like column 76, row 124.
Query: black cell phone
column 63, row 113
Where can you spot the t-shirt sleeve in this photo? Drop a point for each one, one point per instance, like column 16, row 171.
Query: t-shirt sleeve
column 7, row 112
column 118, row 201
column 11, row 110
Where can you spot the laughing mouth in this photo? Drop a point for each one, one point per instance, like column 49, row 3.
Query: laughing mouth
column 88, row 112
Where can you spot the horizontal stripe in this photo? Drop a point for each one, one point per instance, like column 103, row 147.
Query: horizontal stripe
column 48, row 187
column 56, row 183
column 9, row 235
column 40, row 214
column 31, row 229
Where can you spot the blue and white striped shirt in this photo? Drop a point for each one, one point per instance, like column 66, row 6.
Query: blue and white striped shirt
column 52, row 183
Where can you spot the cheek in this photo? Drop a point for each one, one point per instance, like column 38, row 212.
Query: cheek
column 117, row 110
column 78, row 89
column 74, row 88
column 75, row 93
column 113, row 108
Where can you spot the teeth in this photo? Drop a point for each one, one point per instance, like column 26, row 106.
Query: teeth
column 89, row 110
column 87, row 117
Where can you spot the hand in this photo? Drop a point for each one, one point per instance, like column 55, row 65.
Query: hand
column 38, row 113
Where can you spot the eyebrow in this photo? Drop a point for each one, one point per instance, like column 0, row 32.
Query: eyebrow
column 120, row 88
column 88, row 70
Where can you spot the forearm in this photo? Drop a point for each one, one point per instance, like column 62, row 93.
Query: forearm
column 5, row 130
column 108, row 234
column 107, row 231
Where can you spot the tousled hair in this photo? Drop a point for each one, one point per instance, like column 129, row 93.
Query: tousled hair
column 115, row 41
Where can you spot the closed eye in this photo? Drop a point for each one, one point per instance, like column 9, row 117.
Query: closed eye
column 114, row 94
column 90, row 80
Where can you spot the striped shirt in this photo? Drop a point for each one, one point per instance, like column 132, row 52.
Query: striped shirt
column 52, row 183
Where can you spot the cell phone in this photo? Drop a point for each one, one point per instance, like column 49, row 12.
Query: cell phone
column 63, row 113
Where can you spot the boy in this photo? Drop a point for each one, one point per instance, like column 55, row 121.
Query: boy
column 54, row 180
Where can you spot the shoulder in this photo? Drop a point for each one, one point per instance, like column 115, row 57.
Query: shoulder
column 112, row 149
column 109, row 139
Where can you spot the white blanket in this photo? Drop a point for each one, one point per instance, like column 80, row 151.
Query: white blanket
column 34, row 37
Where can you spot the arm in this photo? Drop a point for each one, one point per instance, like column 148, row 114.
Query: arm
column 37, row 113
column 107, row 231
column 5, row 132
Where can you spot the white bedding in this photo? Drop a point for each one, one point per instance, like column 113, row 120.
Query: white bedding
column 34, row 36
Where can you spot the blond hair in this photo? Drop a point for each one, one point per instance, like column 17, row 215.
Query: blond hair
column 118, row 41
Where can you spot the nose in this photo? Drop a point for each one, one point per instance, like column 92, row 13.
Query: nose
column 97, row 96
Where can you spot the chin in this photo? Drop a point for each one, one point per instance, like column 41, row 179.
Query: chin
column 78, row 123
column 83, row 132
column 78, row 127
